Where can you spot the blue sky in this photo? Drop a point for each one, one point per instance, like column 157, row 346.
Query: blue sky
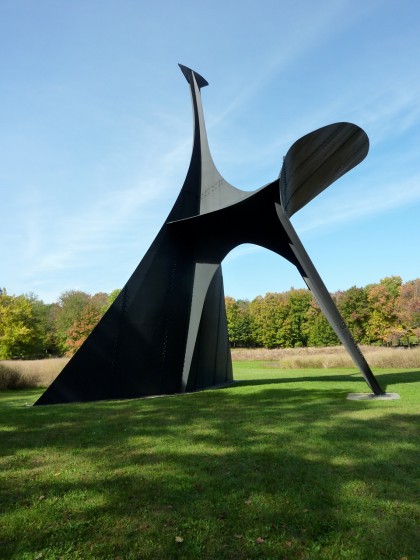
column 96, row 132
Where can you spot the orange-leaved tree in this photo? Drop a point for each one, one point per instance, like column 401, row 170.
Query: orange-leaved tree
column 87, row 319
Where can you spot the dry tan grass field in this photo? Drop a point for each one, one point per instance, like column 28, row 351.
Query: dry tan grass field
column 330, row 357
column 16, row 374
column 24, row 374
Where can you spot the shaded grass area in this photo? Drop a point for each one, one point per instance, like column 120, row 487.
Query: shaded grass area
column 280, row 465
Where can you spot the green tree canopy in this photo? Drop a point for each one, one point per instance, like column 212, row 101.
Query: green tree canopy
column 23, row 329
column 239, row 322
column 382, row 299
column 353, row 305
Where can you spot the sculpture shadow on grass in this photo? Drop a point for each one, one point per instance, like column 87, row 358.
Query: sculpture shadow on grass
column 134, row 471
column 385, row 379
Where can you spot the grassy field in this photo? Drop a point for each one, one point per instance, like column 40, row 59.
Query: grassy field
column 330, row 357
column 27, row 374
column 280, row 465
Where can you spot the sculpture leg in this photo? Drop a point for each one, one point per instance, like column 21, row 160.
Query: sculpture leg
column 207, row 357
column 203, row 275
column 326, row 303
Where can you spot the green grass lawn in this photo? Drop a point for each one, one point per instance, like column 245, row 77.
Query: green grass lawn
column 280, row 465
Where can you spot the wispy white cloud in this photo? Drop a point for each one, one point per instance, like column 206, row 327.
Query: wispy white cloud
column 340, row 210
column 390, row 112
column 242, row 251
column 315, row 28
column 70, row 128
column 96, row 226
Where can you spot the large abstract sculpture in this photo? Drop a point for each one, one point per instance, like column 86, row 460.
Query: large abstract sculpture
column 167, row 332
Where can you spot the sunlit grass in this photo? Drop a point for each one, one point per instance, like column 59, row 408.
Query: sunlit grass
column 280, row 465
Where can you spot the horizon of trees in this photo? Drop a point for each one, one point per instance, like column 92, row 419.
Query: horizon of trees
column 386, row 313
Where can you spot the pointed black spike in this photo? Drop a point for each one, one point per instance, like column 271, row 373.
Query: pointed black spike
column 201, row 82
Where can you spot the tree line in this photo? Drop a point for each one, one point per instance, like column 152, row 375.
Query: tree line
column 30, row 328
column 385, row 313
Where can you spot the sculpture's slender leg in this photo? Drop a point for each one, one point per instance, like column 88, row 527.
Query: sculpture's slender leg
column 326, row 303
column 203, row 275
column 209, row 359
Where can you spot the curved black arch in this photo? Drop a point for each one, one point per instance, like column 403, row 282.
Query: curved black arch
column 167, row 332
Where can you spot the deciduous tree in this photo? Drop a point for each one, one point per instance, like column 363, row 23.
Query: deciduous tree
column 407, row 306
column 81, row 328
column 239, row 322
column 353, row 305
column 382, row 302
column 22, row 333
column 318, row 330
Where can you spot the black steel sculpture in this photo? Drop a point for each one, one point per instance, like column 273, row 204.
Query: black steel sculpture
column 167, row 331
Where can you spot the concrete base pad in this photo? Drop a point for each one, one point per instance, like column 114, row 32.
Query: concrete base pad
column 372, row 397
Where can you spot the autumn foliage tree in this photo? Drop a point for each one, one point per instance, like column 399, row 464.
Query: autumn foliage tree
column 353, row 305
column 74, row 311
column 66, row 312
column 408, row 310
column 79, row 314
column 384, row 313
column 86, row 320
column 382, row 300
